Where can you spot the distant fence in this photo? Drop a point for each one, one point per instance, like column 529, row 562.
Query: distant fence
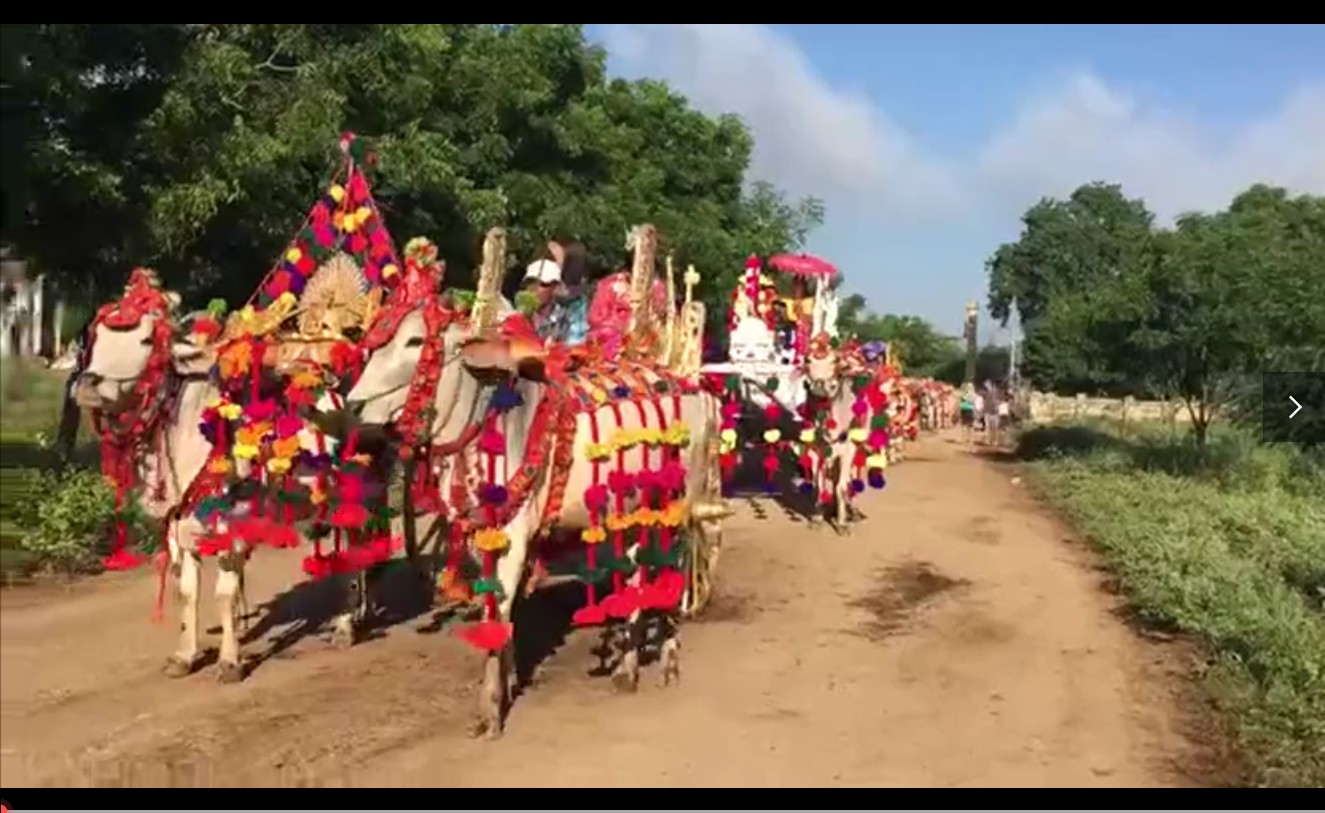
column 1047, row 407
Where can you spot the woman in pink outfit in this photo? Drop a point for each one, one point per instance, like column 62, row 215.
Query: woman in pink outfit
column 609, row 311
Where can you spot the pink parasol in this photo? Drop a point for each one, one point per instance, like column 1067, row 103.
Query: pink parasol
column 803, row 265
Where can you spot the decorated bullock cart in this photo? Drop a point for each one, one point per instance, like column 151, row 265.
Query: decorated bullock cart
column 203, row 418
column 515, row 446
column 535, row 454
column 788, row 374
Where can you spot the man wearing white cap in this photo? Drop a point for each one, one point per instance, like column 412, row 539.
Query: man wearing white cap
column 542, row 277
column 557, row 281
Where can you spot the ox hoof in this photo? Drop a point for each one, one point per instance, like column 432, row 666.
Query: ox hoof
column 177, row 667
column 342, row 639
column 485, row 729
column 227, row 672
column 625, row 682
column 842, row 530
column 671, row 672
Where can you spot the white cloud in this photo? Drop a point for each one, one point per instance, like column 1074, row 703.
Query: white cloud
column 813, row 138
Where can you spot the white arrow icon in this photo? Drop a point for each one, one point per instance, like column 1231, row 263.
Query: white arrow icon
column 1296, row 404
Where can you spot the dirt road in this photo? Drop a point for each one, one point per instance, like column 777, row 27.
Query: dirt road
column 957, row 638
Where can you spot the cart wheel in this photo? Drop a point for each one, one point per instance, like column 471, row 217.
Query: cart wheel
column 702, row 560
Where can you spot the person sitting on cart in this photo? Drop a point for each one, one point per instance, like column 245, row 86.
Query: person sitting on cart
column 784, row 329
column 801, row 303
column 557, row 282
column 609, row 310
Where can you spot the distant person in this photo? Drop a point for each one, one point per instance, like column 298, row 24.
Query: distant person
column 966, row 406
column 992, row 416
column 70, row 414
column 1004, row 417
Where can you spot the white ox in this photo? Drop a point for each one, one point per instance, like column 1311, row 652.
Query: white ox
column 826, row 379
column 461, row 399
column 119, row 357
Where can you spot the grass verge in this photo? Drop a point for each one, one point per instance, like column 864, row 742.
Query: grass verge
column 31, row 397
column 1226, row 544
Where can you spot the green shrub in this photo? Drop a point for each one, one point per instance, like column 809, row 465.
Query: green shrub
column 1226, row 543
column 68, row 526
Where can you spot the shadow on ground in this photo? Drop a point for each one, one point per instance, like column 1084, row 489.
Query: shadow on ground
column 897, row 594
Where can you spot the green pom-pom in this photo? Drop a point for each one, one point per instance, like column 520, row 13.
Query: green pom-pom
column 485, row 587
column 771, row 384
column 217, row 307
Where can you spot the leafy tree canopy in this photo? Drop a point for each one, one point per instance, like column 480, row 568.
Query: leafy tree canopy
column 196, row 148
column 922, row 349
column 1109, row 302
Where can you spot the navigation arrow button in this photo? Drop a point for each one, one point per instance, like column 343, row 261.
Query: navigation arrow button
column 1297, row 407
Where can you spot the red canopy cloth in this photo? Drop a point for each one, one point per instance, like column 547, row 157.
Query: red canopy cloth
column 803, row 265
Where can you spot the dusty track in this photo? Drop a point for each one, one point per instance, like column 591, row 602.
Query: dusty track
column 957, row 638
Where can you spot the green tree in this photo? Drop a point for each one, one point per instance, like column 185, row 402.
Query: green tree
column 1232, row 295
column 196, row 148
column 920, row 346
column 73, row 98
column 1058, row 277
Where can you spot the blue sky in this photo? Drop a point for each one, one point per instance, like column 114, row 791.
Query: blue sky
column 927, row 142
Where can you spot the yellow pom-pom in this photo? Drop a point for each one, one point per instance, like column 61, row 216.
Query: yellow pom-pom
column 294, row 255
column 593, row 536
column 859, row 435
column 219, row 465
column 807, row 436
column 877, row 461
column 244, row 451
column 728, row 436
column 772, row 435
column 678, row 434
column 230, row 412
column 675, row 514
column 278, row 465
column 389, row 270
column 337, row 192
column 599, row 396
column 363, row 214
column 491, row 540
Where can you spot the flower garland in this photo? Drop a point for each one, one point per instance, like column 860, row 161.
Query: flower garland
column 125, row 436
column 645, row 502
column 868, row 431
column 416, row 290
column 727, row 388
column 479, row 518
